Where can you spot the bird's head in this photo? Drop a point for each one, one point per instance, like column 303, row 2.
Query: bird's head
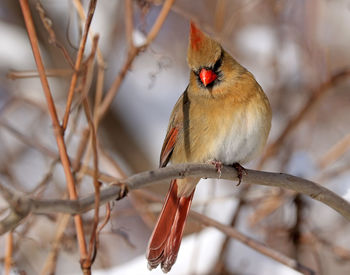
column 204, row 57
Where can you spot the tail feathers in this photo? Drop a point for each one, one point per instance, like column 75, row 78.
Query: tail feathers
column 166, row 237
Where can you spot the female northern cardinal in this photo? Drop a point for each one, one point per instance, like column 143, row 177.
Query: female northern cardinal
column 223, row 116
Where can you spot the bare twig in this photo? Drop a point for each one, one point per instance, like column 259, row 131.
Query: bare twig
column 95, row 155
column 78, row 62
column 49, row 152
column 57, row 128
column 129, row 23
column 159, row 22
column 100, row 61
column 256, row 245
column 8, row 253
column 335, row 152
column 132, row 53
column 316, row 95
column 219, row 265
column 52, row 36
column 50, row 263
column 30, row 74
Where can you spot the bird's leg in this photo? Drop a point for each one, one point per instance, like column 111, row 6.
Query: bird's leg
column 240, row 171
column 218, row 166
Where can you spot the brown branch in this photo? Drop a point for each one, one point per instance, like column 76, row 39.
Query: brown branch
column 30, row 74
column 63, row 220
column 256, row 245
column 54, row 118
column 129, row 23
column 92, row 127
column 315, row 97
column 278, row 179
column 78, row 62
column 8, row 253
column 159, row 22
column 51, row 153
column 52, row 36
column 220, row 263
column 132, row 53
column 335, row 152
column 137, row 181
column 51, row 260
column 100, row 61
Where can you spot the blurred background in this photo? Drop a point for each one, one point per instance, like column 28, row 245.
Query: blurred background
column 299, row 53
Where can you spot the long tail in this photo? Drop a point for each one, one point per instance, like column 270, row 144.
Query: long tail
column 166, row 238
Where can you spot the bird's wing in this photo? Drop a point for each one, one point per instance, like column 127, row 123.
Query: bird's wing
column 168, row 146
column 174, row 128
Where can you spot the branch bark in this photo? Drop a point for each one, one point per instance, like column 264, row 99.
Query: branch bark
column 118, row 187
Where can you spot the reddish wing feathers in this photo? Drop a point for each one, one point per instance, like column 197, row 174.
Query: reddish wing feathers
column 168, row 146
column 166, row 237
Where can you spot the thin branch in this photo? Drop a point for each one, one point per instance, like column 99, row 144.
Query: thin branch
column 315, row 97
column 8, row 253
column 256, row 245
column 51, row 153
column 294, row 183
column 129, row 23
column 118, row 190
column 220, row 263
column 92, row 127
column 51, row 260
column 31, row 74
column 78, row 62
column 52, row 36
column 56, row 125
column 335, row 152
column 11, row 221
column 132, row 53
column 100, row 61
column 159, row 22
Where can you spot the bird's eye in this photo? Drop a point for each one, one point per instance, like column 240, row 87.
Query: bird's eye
column 218, row 62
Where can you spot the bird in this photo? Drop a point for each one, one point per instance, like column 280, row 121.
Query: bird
column 223, row 117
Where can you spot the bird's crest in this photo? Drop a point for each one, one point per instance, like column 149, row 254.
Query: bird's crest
column 202, row 50
column 196, row 37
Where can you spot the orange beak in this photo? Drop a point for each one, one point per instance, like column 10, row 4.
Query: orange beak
column 207, row 76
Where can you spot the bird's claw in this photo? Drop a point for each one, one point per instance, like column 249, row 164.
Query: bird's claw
column 240, row 171
column 124, row 190
column 218, row 165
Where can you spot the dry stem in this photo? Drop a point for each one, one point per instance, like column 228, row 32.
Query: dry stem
column 57, row 128
column 78, row 63
column 316, row 95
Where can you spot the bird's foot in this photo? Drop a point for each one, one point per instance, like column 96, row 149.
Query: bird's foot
column 218, row 165
column 240, row 171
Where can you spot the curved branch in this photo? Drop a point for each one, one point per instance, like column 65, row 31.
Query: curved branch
column 250, row 242
column 118, row 187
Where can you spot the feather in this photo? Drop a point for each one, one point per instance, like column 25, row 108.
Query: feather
column 168, row 146
column 166, row 238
